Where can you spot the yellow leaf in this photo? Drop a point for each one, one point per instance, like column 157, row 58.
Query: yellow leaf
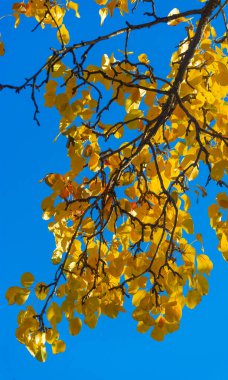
column 149, row 98
column 188, row 226
column 133, row 115
column 74, row 6
column 86, row 114
column 75, row 326
column 199, row 238
column 217, row 170
column 223, row 245
column 50, row 93
column 77, row 163
column 187, row 202
column 22, row 296
column 51, row 87
column 90, row 306
column 205, row 44
column 103, row 12
column 58, row 69
column 127, row 178
column 48, row 205
column 61, row 291
column 41, row 354
column 143, row 315
column 11, row 294
column 204, row 264
column 41, row 291
column 56, row 256
column 173, row 312
column 119, row 131
column 47, row 214
column 91, row 320
column 55, row 181
column 123, row 6
column 63, row 35
column 114, row 161
column 192, row 173
column 58, row 346
column 88, row 225
column 17, row 295
column 94, row 162
column 54, row 314
column 222, row 77
column 56, row 15
column 101, row 2
column 40, row 338
column 143, row 58
column 17, row 19
column 52, row 336
column 158, row 334
column 27, row 279
column 138, row 297
column 142, row 327
column 175, row 11
column 171, row 327
column 116, row 267
column 193, row 298
column 202, row 285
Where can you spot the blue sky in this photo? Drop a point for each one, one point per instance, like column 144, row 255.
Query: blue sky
column 114, row 350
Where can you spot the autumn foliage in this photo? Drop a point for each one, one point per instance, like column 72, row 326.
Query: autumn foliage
column 120, row 215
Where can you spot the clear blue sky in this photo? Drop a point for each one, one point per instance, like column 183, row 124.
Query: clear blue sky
column 114, row 350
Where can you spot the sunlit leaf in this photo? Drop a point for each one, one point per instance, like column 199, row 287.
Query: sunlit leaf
column 58, row 346
column 204, row 264
column 54, row 314
column 193, row 299
column 74, row 6
column 41, row 291
column 63, row 35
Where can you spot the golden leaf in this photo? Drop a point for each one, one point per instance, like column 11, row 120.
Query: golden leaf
column 75, row 326
column 133, row 115
column 143, row 58
column 193, row 298
column 41, row 354
column 54, row 314
column 175, row 11
column 63, row 35
column 138, row 297
column 173, row 312
column 74, row 6
column 204, row 264
column 17, row 295
column 41, row 291
column 142, row 327
column 103, row 12
column 58, row 346
column 27, row 279
column 91, row 320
